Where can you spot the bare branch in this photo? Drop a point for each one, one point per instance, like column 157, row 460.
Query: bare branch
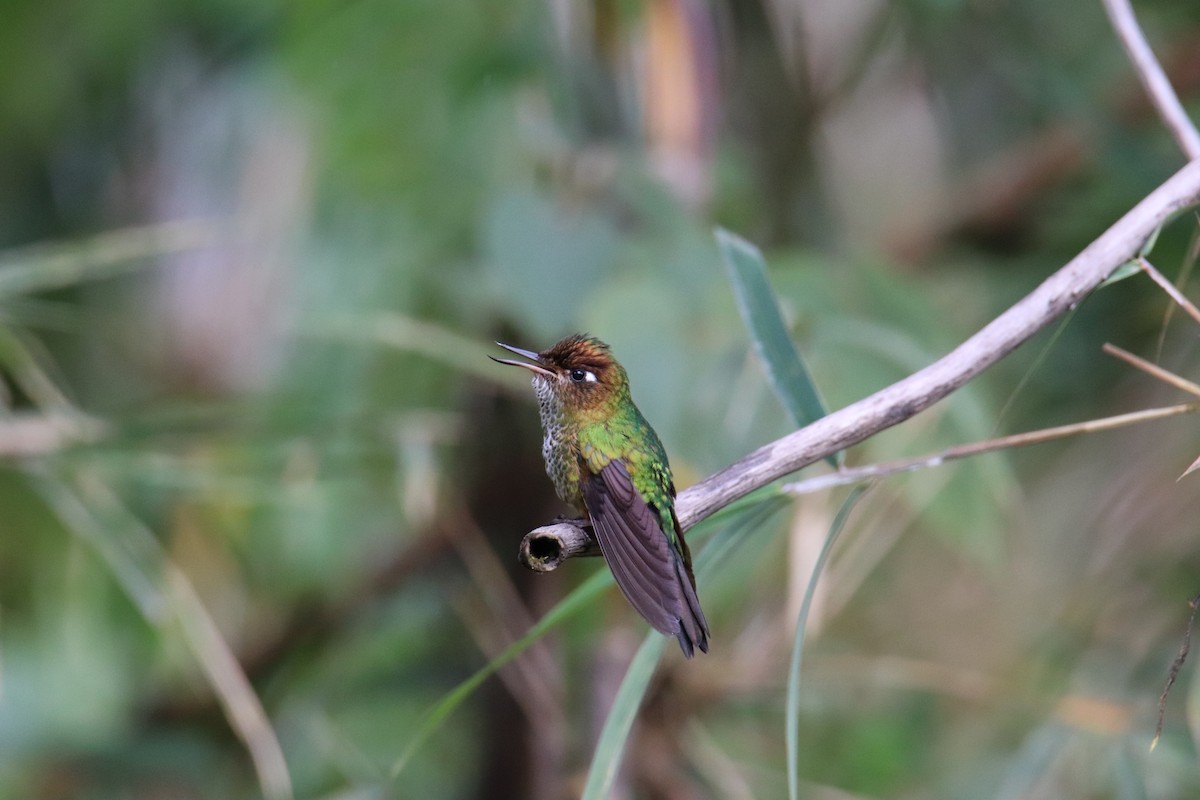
column 896, row 403
column 1151, row 74
column 554, row 544
column 847, row 426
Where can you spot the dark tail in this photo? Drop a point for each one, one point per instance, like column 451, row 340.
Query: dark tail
column 693, row 627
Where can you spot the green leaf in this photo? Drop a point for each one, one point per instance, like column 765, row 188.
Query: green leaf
column 1126, row 270
column 606, row 761
column 757, row 304
column 570, row 605
column 607, row 758
column 1148, row 245
column 792, row 733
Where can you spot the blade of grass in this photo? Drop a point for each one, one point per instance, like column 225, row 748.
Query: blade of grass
column 237, row 697
column 606, row 760
column 792, row 732
column 566, row 608
column 1181, row 279
column 1033, row 762
column 714, row 552
column 131, row 565
column 164, row 594
column 1128, row 775
column 29, row 366
column 756, row 302
column 1027, row 376
column 51, row 266
column 1186, row 305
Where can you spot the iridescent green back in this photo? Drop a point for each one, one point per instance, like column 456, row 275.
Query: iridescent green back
column 628, row 436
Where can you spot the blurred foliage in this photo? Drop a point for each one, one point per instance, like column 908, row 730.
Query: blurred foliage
column 252, row 257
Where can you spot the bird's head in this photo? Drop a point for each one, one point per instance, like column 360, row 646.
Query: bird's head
column 579, row 372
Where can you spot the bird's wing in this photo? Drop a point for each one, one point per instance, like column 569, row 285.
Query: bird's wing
column 648, row 569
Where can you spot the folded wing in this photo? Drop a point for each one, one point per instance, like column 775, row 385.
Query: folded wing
column 647, row 566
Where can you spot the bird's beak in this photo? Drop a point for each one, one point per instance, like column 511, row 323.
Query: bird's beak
column 535, row 367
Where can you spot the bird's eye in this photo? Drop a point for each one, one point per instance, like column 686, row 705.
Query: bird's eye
column 579, row 375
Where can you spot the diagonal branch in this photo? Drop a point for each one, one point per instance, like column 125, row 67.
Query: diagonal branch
column 913, row 394
column 847, row 426
column 1151, row 74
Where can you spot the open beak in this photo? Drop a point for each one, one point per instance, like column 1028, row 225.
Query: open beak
column 535, row 367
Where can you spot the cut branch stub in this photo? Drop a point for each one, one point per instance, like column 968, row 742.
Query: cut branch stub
column 545, row 549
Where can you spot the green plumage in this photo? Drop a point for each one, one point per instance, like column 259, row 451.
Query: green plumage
column 627, row 435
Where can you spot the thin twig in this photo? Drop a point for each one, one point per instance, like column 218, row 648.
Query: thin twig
column 1153, row 370
column 883, row 469
column 1181, row 279
column 1176, row 665
column 1151, row 74
column 1169, row 288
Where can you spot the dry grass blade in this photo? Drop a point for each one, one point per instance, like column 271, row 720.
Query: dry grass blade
column 1176, row 665
column 857, row 474
column 1169, row 288
column 242, row 707
column 92, row 510
column 1191, row 468
column 1163, row 375
column 1152, row 370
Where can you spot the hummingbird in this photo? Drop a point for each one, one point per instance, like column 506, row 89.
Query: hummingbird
column 608, row 463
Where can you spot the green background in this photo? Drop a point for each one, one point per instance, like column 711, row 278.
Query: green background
column 252, row 260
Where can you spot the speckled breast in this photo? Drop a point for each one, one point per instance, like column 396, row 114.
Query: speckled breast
column 558, row 445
